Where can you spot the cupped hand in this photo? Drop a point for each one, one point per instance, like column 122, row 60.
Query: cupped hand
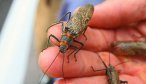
column 113, row 20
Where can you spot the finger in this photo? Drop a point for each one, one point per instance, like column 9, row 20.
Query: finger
column 97, row 39
column 99, row 80
column 83, row 80
column 85, row 59
column 114, row 13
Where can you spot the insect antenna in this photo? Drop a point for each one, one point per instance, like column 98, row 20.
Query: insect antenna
column 60, row 21
column 102, row 60
column 63, row 66
column 120, row 63
column 48, row 68
column 109, row 56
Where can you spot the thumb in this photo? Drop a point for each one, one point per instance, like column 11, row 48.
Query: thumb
column 114, row 13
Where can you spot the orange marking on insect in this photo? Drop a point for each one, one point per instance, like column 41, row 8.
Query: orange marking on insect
column 69, row 35
column 63, row 43
column 57, row 43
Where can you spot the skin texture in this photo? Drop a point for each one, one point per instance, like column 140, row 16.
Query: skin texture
column 113, row 20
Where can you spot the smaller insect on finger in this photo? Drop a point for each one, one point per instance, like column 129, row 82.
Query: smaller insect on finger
column 111, row 72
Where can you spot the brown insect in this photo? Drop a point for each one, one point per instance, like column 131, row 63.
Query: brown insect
column 129, row 48
column 111, row 72
column 75, row 26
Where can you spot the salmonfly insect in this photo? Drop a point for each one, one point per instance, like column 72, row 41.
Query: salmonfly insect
column 111, row 72
column 75, row 26
column 129, row 48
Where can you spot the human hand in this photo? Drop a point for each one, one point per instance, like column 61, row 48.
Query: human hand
column 113, row 20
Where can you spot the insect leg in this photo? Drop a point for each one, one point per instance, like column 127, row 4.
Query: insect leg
column 75, row 48
column 49, row 40
column 78, row 48
column 93, row 69
column 52, row 37
column 96, row 70
column 99, row 69
column 85, row 35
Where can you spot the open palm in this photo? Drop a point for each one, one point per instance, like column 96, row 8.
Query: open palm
column 113, row 20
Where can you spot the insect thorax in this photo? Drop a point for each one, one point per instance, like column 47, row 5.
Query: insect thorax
column 65, row 42
column 66, row 39
column 113, row 76
column 63, row 48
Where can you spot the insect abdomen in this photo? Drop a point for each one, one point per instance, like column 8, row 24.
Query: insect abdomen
column 79, row 21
